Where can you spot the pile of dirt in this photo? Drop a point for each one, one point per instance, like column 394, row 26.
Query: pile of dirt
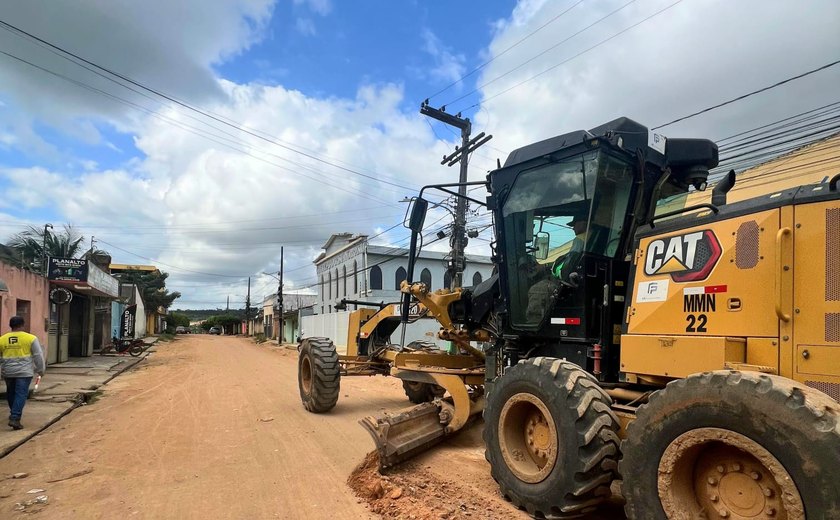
column 412, row 492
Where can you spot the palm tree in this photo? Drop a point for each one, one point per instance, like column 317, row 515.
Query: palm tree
column 26, row 249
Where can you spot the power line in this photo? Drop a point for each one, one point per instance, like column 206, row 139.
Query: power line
column 237, row 126
column 505, row 51
column 744, row 96
column 170, row 265
column 209, row 136
column 497, row 78
column 581, row 53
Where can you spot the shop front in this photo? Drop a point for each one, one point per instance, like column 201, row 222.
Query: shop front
column 80, row 307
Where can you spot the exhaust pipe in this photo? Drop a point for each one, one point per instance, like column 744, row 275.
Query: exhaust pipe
column 722, row 188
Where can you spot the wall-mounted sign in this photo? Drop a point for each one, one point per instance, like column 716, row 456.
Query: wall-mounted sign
column 60, row 295
column 68, row 269
column 127, row 322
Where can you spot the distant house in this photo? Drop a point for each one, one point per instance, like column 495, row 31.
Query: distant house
column 352, row 268
column 295, row 305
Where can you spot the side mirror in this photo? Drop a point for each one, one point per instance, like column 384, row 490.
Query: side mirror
column 418, row 215
column 541, row 245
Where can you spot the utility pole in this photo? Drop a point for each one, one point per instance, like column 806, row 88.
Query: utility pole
column 280, row 302
column 248, row 309
column 44, row 250
column 227, row 306
column 461, row 155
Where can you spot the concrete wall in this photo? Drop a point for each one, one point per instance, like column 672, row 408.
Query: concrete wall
column 25, row 286
column 334, row 326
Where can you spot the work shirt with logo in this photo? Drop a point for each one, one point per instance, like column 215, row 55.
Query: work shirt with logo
column 21, row 355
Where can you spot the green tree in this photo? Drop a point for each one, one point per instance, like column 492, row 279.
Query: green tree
column 26, row 249
column 177, row 320
column 153, row 287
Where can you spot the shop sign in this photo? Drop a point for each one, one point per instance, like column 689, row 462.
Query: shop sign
column 127, row 321
column 68, row 269
column 60, row 295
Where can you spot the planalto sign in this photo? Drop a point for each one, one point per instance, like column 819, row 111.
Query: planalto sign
column 689, row 257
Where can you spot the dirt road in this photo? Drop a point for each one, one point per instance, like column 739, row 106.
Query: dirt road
column 212, row 427
column 208, row 427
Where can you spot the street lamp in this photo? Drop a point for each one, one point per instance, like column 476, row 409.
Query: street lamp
column 44, row 248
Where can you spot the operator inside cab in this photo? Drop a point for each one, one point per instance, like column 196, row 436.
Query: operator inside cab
column 552, row 267
column 556, row 218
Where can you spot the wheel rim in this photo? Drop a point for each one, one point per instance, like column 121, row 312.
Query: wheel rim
column 306, row 375
column 528, row 438
column 722, row 474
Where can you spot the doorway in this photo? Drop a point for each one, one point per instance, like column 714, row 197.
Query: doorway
column 77, row 335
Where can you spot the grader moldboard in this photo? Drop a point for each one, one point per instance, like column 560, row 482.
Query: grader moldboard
column 696, row 352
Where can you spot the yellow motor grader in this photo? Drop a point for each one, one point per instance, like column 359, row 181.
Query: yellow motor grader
column 694, row 352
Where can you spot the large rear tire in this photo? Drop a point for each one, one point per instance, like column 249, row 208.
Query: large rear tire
column 730, row 444
column 551, row 438
column 318, row 374
column 419, row 393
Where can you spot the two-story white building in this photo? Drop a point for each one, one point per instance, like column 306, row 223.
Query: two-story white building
column 351, row 268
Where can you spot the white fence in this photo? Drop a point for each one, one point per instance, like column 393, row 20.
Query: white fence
column 334, row 326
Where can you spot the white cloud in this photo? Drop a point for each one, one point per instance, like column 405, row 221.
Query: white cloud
column 305, row 26
column 691, row 56
column 322, row 7
column 172, row 46
column 449, row 66
column 225, row 207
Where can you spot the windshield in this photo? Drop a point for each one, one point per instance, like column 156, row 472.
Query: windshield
column 554, row 215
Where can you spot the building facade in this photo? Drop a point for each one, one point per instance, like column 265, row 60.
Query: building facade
column 80, row 299
column 352, row 268
column 27, row 296
column 295, row 306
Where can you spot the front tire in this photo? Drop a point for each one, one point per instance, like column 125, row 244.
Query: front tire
column 730, row 444
column 318, row 374
column 551, row 438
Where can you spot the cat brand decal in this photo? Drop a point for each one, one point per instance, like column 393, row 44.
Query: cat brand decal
column 687, row 258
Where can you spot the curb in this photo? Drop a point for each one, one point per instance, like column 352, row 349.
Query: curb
column 77, row 399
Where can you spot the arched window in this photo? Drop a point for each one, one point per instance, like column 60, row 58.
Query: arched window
column 336, row 282
column 355, row 277
column 329, row 285
column 321, row 286
column 447, row 280
column 476, row 278
column 375, row 278
column 399, row 276
column 344, row 280
column 426, row 278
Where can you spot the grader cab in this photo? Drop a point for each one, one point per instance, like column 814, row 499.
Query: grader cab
column 696, row 352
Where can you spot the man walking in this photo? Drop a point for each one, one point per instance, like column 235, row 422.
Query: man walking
column 21, row 357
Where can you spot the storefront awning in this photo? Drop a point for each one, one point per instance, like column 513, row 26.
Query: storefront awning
column 82, row 276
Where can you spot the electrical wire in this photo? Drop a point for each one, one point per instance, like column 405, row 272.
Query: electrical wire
column 581, row 53
column 544, row 52
column 749, row 94
column 236, row 126
column 506, row 50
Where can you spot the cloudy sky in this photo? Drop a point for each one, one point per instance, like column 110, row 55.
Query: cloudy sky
column 270, row 123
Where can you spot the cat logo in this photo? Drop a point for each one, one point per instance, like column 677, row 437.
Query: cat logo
column 687, row 258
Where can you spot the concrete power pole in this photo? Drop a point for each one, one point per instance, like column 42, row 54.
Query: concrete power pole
column 461, row 155
column 248, row 309
column 280, row 302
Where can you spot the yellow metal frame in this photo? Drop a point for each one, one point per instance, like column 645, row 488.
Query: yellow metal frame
column 437, row 303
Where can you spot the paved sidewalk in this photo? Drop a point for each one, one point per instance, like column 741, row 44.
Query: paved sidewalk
column 64, row 387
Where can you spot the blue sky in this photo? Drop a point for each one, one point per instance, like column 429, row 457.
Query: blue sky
column 342, row 82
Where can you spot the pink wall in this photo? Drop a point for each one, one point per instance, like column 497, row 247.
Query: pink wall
column 25, row 285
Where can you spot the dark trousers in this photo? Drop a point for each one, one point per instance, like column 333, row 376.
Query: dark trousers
column 17, row 390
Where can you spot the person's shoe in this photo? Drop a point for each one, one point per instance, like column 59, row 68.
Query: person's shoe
column 15, row 424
